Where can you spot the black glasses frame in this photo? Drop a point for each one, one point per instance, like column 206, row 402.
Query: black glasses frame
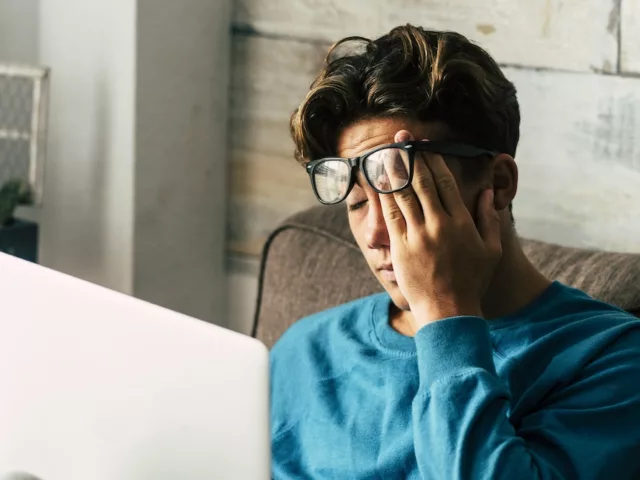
column 443, row 148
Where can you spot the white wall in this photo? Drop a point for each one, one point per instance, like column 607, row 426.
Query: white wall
column 87, row 214
column 181, row 155
column 19, row 30
column 134, row 193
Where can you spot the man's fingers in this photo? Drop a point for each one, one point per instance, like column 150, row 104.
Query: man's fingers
column 425, row 188
column 489, row 222
column 383, row 182
column 445, row 182
column 394, row 171
column 393, row 174
column 393, row 217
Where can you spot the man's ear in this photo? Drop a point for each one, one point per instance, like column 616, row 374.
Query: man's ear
column 504, row 177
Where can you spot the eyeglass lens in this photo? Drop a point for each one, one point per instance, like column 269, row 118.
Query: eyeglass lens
column 331, row 178
column 387, row 170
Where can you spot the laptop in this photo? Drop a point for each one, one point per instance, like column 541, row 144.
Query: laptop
column 97, row 385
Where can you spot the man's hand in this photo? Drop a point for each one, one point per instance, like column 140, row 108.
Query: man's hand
column 443, row 263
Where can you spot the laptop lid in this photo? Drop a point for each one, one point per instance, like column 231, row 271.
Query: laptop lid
column 98, row 385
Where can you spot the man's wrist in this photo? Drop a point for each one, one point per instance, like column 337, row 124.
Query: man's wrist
column 433, row 311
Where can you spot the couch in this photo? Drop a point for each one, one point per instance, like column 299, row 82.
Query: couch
column 311, row 262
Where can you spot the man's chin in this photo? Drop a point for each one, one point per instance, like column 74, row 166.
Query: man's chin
column 396, row 295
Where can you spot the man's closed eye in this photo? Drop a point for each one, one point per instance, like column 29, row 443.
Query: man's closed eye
column 357, row 206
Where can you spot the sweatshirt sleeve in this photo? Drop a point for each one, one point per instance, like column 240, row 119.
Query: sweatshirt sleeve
column 588, row 429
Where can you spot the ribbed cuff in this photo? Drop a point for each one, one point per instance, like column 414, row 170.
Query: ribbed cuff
column 452, row 346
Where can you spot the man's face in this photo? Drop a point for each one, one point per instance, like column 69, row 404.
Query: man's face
column 363, row 203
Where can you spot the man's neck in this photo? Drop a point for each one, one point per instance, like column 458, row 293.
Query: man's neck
column 516, row 283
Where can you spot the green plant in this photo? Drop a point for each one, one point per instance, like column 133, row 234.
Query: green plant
column 12, row 194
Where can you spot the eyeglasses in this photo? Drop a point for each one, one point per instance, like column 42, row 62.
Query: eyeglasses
column 387, row 169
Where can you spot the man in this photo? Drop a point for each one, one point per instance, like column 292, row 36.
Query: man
column 472, row 364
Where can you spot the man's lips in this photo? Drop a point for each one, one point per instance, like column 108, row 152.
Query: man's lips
column 387, row 273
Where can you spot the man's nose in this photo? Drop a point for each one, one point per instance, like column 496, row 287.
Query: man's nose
column 377, row 235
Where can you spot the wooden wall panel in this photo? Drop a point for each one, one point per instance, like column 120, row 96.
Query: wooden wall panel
column 563, row 34
column 630, row 36
column 579, row 159
column 579, row 155
column 269, row 79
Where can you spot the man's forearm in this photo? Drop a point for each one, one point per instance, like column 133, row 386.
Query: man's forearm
column 461, row 427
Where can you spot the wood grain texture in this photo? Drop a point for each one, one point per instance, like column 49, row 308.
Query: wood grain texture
column 579, row 159
column 563, row 34
column 269, row 79
column 630, row 36
column 579, row 154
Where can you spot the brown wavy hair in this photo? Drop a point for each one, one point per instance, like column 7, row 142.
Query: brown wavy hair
column 428, row 75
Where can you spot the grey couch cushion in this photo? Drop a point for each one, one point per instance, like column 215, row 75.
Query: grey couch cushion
column 311, row 262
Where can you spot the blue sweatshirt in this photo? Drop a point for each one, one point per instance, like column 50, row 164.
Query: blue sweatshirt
column 551, row 392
